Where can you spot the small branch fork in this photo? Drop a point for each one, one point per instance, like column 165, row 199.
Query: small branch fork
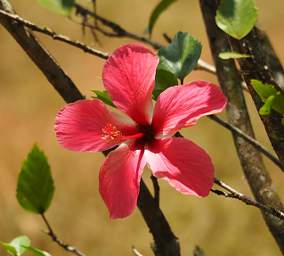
column 232, row 193
column 54, row 237
column 78, row 44
column 119, row 31
column 47, row 31
column 144, row 197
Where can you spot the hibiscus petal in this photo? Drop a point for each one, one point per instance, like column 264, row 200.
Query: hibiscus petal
column 186, row 166
column 87, row 125
column 181, row 106
column 120, row 178
column 129, row 75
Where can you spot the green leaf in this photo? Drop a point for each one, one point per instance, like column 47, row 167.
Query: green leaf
column 181, row 56
column 9, row 249
column 163, row 80
column 272, row 98
column 263, row 90
column 16, row 246
column 267, row 106
column 36, row 252
column 104, row 97
column 233, row 55
column 236, row 17
column 60, row 6
column 35, row 184
column 159, row 9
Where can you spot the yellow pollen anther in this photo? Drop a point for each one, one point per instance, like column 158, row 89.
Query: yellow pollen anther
column 110, row 132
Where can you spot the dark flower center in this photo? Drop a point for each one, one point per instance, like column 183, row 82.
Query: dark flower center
column 148, row 135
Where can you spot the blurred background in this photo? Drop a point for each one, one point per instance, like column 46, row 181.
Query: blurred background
column 29, row 104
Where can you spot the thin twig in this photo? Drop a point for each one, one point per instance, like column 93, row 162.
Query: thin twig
column 54, row 237
column 54, row 35
column 232, row 193
column 230, row 80
column 63, row 91
column 251, row 140
column 47, row 31
column 119, row 31
column 136, row 252
column 156, row 189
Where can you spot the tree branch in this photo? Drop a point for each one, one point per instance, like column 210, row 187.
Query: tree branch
column 40, row 56
column 75, row 43
column 65, row 87
column 54, row 237
column 245, row 199
column 258, row 67
column 47, row 31
column 248, row 138
column 166, row 243
column 252, row 164
column 119, row 31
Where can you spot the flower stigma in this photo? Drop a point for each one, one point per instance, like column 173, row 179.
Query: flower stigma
column 110, row 132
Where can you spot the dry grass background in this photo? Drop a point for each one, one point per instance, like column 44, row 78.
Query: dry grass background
column 28, row 105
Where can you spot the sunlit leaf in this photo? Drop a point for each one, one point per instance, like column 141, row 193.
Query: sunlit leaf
column 104, row 97
column 181, row 55
column 236, row 17
column 232, row 55
column 262, row 89
column 17, row 246
column 9, row 248
column 163, row 80
column 60, row 6
column 35, row 184
column 159, row 9
column 272, row 98
column 267, row 106
column 37, row 252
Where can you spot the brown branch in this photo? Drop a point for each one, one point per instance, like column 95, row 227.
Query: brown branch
column 119, row 31
column 248, row 138
column 65, row 87
column 251, row 161
column 257, row 44
column 55, row 238
column 40, row 56
column 165, row 241
column 47, row 31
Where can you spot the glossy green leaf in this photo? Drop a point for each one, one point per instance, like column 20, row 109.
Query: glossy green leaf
column 263, row 90
column 236, row 17
column 163, row 80
column 181, row 56
column 272, row 98
column 9, row 248
column 104, row 97
column 35, row 184
column 232, row 55
column 36, row 252
column 60, row 6
column 17, row 246
column 267, row 106
column 159, row 9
